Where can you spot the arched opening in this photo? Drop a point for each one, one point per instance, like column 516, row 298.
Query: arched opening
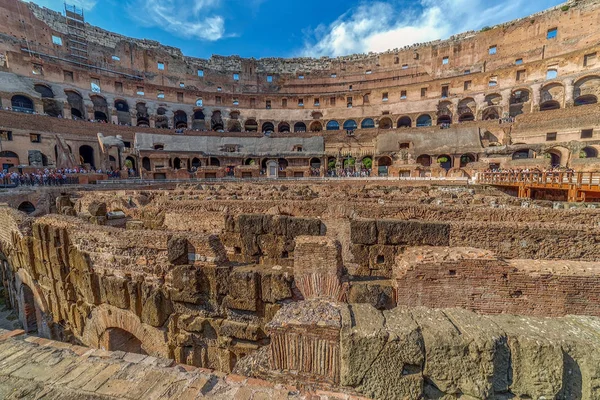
column 315, row 163
column 588, row 152
column 23, row 104
column 316, row 126
column 198, row 120
column 490, row 113
column 52, row 107
column 283, row 164
column 386, row 123
column 424, row 120
column 522, row 154
column 466, row 117
column 299, row 127
column 123, row 116
column 130, row 163
column 283, row 127
column 216, row 121
column 234, row 126
column 76, row 103
column 519, row 96
column 555, row 158
column 86, row 155
column 117, row 339
column 585, row 100
column 333, row 126
column 196, row 163
column 199, row 115
column 331, row 163
column 180, row 119
column 444, row 120
column 349, row 162
column 367, row 123
column 143, row 119
column 367, row 162
column 250, row 161
column 550, row 105
column 146, row 164
column 177, row 163
column 8, row 159
column 445, row 161
column 29, row 314
column 424, row 160
column 268, row 127
column 26, row 207
column 100, row 116
column 214, row 162
column 350, row 125
column 404, row 122
column 493, row 99
column 252, row 126
column 384, row 163
column 466, row 159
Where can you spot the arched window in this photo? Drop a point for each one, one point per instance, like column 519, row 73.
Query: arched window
column 424, row 120
column 424, row 160
column 466, row 159
column 585, row 100
column 22, row 104
column 199, row 115
column 550, row 105
column 44, row 91
column 268, row 127
column 251, row 125
column 283, row 127
column 180, row 120
column 385, row 123
column 299, row 127
column 196, row 162
column 367, row 123
column 333, row 126
column 445, row 161
column 316, row 126
column 350, row 125
column 588, row 152
column 146, row 163
column 121, row 105
column 404, row 122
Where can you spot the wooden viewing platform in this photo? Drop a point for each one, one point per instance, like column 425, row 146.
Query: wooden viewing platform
column 579, row 186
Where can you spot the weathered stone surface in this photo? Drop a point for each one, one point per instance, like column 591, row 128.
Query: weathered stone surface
column 156, row 309
column 177, row 248
column 97, row 209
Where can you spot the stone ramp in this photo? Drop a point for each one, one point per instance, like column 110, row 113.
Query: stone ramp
column 32, row 368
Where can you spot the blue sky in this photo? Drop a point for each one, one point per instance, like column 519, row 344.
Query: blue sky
column 290, row 28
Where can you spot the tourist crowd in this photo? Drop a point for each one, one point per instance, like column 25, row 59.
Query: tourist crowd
column 530, row 170
column 349, row 173
column 53, row 177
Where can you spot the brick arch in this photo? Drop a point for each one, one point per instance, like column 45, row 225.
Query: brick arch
column 154, row 341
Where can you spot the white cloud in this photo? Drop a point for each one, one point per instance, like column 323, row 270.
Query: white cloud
column 383, row 25
column 183, row 18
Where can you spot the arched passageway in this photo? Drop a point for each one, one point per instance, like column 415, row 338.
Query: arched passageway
column 117, row 339
column 404, row 122
column 29, row 313
column 86, row 155
column 22, row 104
column 26, row 207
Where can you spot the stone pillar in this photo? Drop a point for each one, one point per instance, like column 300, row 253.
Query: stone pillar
column 536, row 94
column 505, row 104
column 318, row 267
column 569, row 88
column 38, row 106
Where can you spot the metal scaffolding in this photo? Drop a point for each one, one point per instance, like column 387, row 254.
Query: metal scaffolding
column 77, row 40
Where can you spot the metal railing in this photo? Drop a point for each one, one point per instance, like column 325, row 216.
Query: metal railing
column 550, row 178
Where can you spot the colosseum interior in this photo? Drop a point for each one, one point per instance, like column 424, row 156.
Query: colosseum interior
column 235, row 256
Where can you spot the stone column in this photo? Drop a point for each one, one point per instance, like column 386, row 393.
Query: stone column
column 569, row 88
column 536, row 95
column 505, row 104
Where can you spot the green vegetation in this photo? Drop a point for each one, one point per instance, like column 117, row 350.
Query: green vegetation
column 486, row 28
column 331, row 164
column 565, row 8
column 349, row 162
column 367, row 162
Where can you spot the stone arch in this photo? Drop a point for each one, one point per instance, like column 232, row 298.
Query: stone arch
column 216, row 121
column 34, row 307
column 367, row 123
column 444, row 120
column 75, row 101
column 552, row 92
column 550, row 105
column 130, row 162
column 122, row 109
column 315, row 162
column 424, row 160
column 445, row 161
column 404, row 122
column 299, row 127
column 22, row 103
column 143, row 119
column 283, row 127
column 146, row 164
column 518, row 102
column 234, row 126
column 386, row 123
column 180, row 119
column 491, row 113
column 251, row 125
column 557, row 156
column 424, row 120
column 467, row 159
column 100, row 107
column 493, row 99
column 316, row 126
column 86, row 155
column 333, row 126
column 51, row 107
column 198, row 120
column 588, row 152
column 523, row 154
column 176, row 163
column 44, row 90
column 26, row 207
column 268, row 127
column 8, row 159
column 586, row 90
column 350, row 125
column 105, row 317
column 444, row 111
column 467, row 109
column 214, row 162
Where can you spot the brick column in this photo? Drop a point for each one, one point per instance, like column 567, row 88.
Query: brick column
column 569, row 88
